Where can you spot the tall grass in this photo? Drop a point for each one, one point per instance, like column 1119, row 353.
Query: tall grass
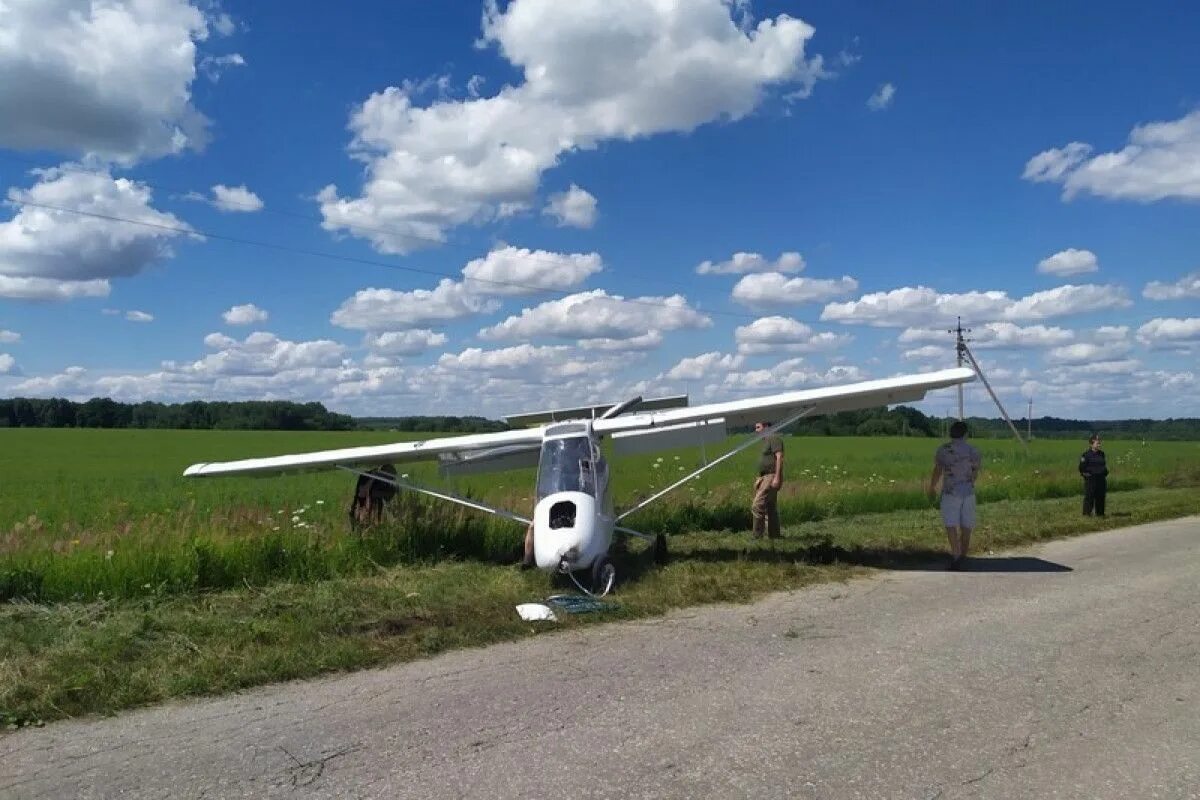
column 88, row 513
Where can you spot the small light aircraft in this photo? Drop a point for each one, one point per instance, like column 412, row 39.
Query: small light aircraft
column 573, row 518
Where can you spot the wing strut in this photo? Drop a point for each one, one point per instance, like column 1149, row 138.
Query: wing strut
column 453, row 498
column 755, row 438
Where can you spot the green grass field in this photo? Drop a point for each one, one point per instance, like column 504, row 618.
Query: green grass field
column 124, row 584
column 91, row 513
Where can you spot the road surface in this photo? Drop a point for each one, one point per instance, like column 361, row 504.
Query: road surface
column 1069, row 671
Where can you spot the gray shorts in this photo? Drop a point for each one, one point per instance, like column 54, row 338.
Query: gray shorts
column 958, row 510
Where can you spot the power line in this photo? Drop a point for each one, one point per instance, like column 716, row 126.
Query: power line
column 352, row 226
column 190, row 231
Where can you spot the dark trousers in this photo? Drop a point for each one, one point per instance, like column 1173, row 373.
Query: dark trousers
column 1094, row 489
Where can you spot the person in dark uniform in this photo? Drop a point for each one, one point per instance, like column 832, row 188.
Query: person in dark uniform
column 1095, row 477
column 764, row 510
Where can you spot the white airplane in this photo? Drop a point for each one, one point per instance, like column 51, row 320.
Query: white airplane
column 573, row 519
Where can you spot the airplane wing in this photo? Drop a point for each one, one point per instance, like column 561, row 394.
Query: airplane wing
column 826, row 400
column 448, row 448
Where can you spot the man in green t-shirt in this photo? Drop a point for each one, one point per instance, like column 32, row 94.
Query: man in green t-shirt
column 764, row 510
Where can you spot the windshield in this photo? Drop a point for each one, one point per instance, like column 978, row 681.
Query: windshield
column 566, row 466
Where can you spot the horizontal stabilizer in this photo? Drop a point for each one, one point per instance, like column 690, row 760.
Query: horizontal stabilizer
column 592, row 412
column 669, row 437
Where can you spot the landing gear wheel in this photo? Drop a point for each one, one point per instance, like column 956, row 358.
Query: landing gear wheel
column 604, row 575
column 660, row 549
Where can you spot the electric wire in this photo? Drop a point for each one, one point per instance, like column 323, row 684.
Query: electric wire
column 192, row 231
column 353, row 227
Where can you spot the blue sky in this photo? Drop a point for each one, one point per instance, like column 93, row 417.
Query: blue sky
column 714, row 197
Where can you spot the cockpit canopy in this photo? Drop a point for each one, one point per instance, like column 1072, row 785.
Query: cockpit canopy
column 571, row 464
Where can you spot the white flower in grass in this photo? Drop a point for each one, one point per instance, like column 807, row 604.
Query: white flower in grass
column 275, row 528
column 320, row 502
column 295, row 520
column 108, row 556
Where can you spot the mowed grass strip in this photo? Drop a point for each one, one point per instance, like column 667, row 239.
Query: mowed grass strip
column 67, row 659
column 98, row 513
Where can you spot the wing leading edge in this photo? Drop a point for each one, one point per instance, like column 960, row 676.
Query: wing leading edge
column 371, row 455
column 452, row 449
column 826, row 400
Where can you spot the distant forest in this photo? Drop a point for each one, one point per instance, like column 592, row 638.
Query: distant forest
column 279, row 415
column 100, row 412
column 905, row 421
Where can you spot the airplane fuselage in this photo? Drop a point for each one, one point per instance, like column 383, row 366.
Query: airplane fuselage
column 573, row 518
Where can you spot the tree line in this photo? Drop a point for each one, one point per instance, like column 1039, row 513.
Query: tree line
column 102, row 412
column 905, row 421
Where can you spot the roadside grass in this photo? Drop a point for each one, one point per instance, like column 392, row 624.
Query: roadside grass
column 89, row 514
column 101, row 656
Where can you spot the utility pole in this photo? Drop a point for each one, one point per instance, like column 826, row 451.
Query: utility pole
column 960, row 349
column 966, row 356
column 1029, row 422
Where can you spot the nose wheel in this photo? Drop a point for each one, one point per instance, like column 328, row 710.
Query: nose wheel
column 604, row 575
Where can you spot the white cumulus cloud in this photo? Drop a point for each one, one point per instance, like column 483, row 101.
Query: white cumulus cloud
column 110, row 79
column 235, row 199
column 388, row 309
column 922, row 306
column 246, row 314
column 1170, row 333
column 784, row 334
column 9, row 337
column 520, row 271
column 599, row 315
column 1186, row 287
column 431, row 168
column 214, row 67
column 999, row 335
column 139, row 316
column 1069, row 262
column 8, row 365
column 1069, row 299
column 746, row 263
column 404, row 343
column 574, row 208
column 1161, row 160
column 793, row 373
column 1088, row 352
column 260, row 353
column 52, row 254
column 702, row 366
column 767, row 289
column 882, row 98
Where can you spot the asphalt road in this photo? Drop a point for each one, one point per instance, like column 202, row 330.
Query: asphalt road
column 1071, row 671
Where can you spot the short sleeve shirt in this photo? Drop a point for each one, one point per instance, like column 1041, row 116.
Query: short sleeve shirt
column 960, row 464
column 771, row 445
